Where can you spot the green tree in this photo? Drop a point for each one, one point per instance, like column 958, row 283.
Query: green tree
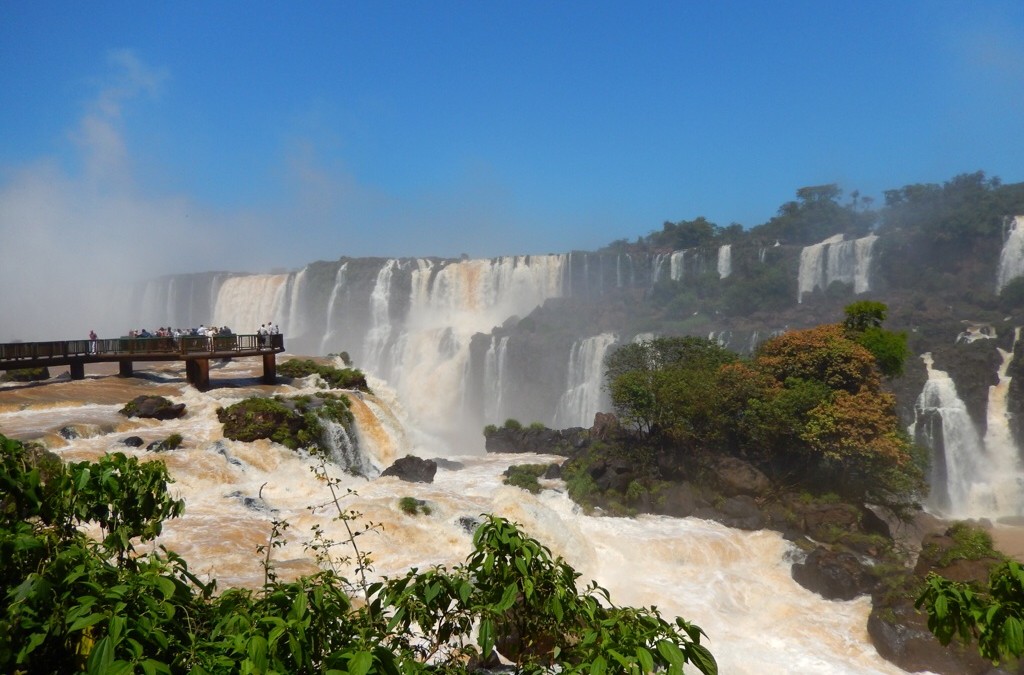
column 863, row 323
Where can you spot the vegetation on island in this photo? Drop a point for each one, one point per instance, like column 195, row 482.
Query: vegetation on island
column 808, row 409
column 77, row 604
column 336, row 378
column 295, row 422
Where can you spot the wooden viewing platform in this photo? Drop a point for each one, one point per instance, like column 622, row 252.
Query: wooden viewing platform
column 196, row 351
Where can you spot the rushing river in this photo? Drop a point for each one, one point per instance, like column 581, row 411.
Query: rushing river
column 736, row 585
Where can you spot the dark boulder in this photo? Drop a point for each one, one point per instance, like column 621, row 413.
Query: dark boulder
column 155, row 407
column 613, row 474
column 737, row 477
column 834, row 575
column 742, row 513
column 412, row 469
column 677, row 501
column 537, row 440
column 606, row 427
column 133, row 441
column 900, row 634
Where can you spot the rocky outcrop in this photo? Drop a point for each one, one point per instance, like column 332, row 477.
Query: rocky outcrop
column 735, row 477
column 539, row 440
column 835, row 575
column 412, row 469
column 155, row 407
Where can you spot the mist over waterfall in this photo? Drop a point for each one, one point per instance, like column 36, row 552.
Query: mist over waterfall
column 972, row 476
column 583, row 396
column 836, row 260
column 1011, row 258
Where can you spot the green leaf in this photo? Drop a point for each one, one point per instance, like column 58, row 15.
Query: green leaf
column 671, row 653
column 101, row 657
column 598, row 666
column 1013, row 635
column 85, row 622
column 702, row 658
column 360, row 663
column 486, row 639
column 508, row 598
column 646, row 660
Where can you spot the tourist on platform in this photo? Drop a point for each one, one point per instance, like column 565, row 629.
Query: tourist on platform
column 92, row 342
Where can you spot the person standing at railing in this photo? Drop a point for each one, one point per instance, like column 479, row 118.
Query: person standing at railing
column 92, row 341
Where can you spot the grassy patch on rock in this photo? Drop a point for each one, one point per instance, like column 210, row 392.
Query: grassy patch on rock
column 336, row 378
column 294, row 422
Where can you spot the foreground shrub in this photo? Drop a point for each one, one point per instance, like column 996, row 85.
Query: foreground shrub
column 73, row 604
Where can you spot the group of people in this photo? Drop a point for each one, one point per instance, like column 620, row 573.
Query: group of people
column 202, row 331
column 266, row 330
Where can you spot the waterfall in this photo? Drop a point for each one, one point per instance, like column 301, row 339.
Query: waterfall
column 344, row 451
column 331, row 330
column 380, row 318
column 426, row 355
column 971, row 476
column 583, row 396
column 246, row 302
column 292, row 323
column 833, row 260
column 495, row 362
column 724, row 261
column 658, row 263
column 677, row 265
column 1011, row 258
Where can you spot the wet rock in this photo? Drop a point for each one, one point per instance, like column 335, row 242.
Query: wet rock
column 742, row 513
column 412, row 469
column 133, row 441
column 155, row 407
column 69, row 433
column 537, row 440
column 257, row 504
column 678, row 501
column 613, row 474
column 900, row 634
column 468, row 523
column 834, row 575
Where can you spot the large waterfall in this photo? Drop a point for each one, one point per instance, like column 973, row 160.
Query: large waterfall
column 1011, row 259
column 833, row 260
column 972, row 476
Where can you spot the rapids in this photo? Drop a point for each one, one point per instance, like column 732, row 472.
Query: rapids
column 736, row 585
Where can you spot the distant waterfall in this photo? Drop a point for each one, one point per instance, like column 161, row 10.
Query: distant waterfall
column 677, row 265
column 724, row 261
column 583, row 396
column 657, row 265
column 836, row 260
column 971, row 476
column 246, row 302
column 1011, row 259
column 495, row 362
column 331, row 329
column 380, row 316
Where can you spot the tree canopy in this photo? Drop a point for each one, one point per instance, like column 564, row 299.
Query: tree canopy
column 809, row 405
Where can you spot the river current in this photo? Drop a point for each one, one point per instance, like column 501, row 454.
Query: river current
column 736, row 585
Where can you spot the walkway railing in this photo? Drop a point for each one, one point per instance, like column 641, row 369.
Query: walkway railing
column 139, row 347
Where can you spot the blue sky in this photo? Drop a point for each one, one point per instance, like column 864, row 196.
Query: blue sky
column 152, row 138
